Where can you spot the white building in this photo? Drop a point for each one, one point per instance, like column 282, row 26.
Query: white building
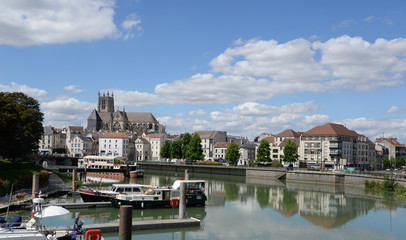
column 209, row 139
column 80, row 146
column 114, row 144
column 220, row 149
column 143, row 149
column 334, row 145
column 157, row 141
column 51, row 140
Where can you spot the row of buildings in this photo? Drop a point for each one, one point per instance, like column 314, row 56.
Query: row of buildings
column 139, row 136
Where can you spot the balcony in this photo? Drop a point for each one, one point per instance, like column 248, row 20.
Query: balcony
column 336, row 144
column 336, row 152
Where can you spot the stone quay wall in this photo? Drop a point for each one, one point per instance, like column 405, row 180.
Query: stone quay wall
column 275, row 173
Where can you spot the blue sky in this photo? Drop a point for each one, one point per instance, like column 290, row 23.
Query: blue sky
column 245, row 67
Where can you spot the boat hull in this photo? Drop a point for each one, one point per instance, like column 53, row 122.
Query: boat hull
column 94, row 196
column 191, row 201
column 137, row 174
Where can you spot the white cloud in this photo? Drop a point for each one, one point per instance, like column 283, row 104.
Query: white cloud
column 360, row 65
column 65, row 112
column 124, row 98
column 369, row 19
column 199, row 112
column 253, row 108
column 36, row 93
column 346, row 22
column 131, row 23
column 27, row 22
column 73, row 88
column 392, row 109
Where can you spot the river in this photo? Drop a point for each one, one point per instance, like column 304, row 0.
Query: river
column 253, row 208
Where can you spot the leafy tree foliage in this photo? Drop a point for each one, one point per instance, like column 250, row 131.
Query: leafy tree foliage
column 400, row 161
column 185, row 142
column 176, row 150
column 232, row 153
column 290, row 152
column 263, row 152
column 386, row 162
column 194, row 149
column 166, row 150
column 20, row 124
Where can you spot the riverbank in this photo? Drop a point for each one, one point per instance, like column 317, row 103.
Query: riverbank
column 298, row 175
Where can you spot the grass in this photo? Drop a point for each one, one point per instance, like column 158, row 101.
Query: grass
column 13, row 170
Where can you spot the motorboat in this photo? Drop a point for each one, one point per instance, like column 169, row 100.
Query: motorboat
column 161, row 197
column 94, row 195
column 15, row 229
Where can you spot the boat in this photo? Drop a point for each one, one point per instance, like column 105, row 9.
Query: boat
column 93, row 195
column 15, row 229
column 137, row 173
column 161, row 197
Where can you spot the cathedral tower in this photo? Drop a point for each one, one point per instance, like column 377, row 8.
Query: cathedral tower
column 105, row 103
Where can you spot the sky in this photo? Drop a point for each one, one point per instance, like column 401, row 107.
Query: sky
column 245, row 67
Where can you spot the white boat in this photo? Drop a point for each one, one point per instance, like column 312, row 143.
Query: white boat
column 93, row 195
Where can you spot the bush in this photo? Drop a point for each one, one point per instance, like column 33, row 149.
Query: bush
column 209, row 163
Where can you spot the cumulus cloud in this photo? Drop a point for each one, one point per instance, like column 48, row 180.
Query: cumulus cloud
column 253, row 108
column 65, row 112
column 131, row 24
column 73, row 88
column 199, row 112
column 27, row 22
column 36, row 93
column 360, row 65
column 392, row 109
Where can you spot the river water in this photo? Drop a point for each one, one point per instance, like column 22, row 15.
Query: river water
column 253, row 208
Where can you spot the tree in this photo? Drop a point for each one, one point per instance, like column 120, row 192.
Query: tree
column 386, row 162
column 232, row 153
column 400, row 161
column 290, row 152
column 194, row 149
column 263, row 152
column 166, row 150
column 20, row 124
column 176, row 150
column 185, row 142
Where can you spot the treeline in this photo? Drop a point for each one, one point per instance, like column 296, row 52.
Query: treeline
column 189, row 148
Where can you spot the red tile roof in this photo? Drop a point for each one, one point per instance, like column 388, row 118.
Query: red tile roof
column 115, row 135
column 221, row 144
column 331, row 129
column 288, row 133
column 156, row 135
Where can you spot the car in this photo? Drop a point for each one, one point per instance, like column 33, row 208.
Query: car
column 189, row 162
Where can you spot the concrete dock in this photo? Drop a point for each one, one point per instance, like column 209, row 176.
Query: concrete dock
column 81, row 205
column 141, row 225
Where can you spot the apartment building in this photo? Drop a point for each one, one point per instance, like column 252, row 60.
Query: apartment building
column 220, row 149
column 394, row 149
column 80, row 146
column 247, row 153
column 209, row 139
column 114, row 144
column 143, row 149
column 51, row 140
column 279, row 141
column 333, row 145
column 156, row 140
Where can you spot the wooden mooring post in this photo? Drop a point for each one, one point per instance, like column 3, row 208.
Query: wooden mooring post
column 125, row 228
column 35, row 186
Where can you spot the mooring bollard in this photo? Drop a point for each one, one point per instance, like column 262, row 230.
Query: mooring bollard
column 182, row 201
column 35, row 185
column 125, row 227
column 74, row 180
column 186, row 175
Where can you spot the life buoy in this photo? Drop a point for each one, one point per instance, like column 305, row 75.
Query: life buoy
column 174, row 203
column 93, row 234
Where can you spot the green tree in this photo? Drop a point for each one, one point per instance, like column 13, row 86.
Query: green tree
column 290, row 152
column 194, row 149
column 185, row 142
column 20, row 124
column 176, row 150
column 166, row 150
column 386, row 162
column 400, row 161
column 263, row 152
column 232, row 153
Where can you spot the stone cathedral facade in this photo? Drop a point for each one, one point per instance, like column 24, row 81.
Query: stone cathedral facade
column 108, row 119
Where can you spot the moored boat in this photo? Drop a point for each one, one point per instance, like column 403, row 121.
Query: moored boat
column 161, row 197
column 93, row 195
column 137, row 173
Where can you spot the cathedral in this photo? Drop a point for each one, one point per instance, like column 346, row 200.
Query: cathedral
column 105, row 118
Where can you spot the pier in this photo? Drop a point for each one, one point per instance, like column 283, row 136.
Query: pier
column 140, row 225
